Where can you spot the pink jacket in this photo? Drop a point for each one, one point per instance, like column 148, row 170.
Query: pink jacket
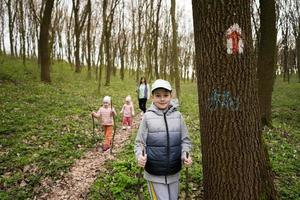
column 106, row 115
column 127, row 110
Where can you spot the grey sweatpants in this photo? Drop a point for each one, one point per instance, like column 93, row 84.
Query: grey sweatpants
column 161, row 191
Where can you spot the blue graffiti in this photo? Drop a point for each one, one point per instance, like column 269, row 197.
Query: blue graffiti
column 223, row 99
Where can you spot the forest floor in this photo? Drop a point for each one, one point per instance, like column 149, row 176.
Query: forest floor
column 47, row 146
column 75, row 184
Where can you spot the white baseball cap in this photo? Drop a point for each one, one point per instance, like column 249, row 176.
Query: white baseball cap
column 160, row 83
column 106, row 99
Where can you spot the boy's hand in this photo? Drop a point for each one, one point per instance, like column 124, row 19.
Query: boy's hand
column 187, row 161
column 142, row 160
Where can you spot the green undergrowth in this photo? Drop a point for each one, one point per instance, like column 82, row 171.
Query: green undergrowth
column 46, row 127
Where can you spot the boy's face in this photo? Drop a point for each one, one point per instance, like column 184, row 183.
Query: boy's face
column 105, row 104
column 161, row 98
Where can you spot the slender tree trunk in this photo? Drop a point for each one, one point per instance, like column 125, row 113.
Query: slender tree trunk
column 69, row 42
column 156, row 40
column 286, row 73
column 298, row 50
column 10, row 27
column 44, row 42
column 88, row 38
column 139, row 39
column 101, row 51
column 22, row 32
column 234, row 165
column 78, row 27
column 266, row 59
column 175, row 49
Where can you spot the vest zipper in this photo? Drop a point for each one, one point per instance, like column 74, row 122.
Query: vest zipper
column 168, row 145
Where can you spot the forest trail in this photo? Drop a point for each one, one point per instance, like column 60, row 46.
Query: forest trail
column 76, row 183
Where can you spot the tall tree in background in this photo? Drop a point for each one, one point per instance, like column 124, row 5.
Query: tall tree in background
column 298, row 50
column 2, row 22
column 78, row 27
column 175, row 48
column 266, row 58
column 11, row 22
column 107, row 41
column 88, row 37
column 44, row 50
column 139, row 39
column 156, row 39
column 234, row 163
column 122, row 41
column 22, row 31
column 101, row 47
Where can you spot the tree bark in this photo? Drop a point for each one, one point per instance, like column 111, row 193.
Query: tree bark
column 44, row 42
column 156, row 40
column 78, row 26
column 22, row 32
column 175, row 49
column 88, row 38
column 266, row 59
column 298, row 50
column 234, row 165
column 10, row 27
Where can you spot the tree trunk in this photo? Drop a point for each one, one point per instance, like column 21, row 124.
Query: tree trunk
column 298, row 50
column 286, row 74
column 107, row 45
column 88, row 38
column 266, row 59
column 175, row 49
column 44, row 42
column 139, row 40
column 156, row 40
column 22, row 33
column 78, row 27
column 10, row 27
column 234, row 165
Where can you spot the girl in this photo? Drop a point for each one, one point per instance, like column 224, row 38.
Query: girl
column 128, row 113
column 106, row 113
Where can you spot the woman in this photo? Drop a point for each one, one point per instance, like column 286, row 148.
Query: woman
column 143, row 91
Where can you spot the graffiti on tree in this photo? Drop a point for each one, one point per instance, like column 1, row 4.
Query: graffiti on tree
column 218, row 99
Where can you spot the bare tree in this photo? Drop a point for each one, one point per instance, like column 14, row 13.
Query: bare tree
column 44, row 50
column 175, row 49
column 88, row 37
column 107, row 45
column 11, row 22
column 266, row 58
column 156, row 39
column 78, row 27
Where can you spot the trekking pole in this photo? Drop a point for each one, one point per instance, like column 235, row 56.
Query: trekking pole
column 93, row 128
column 93, row 125
column 187, row 179
column 140, row 185
column 113, row 137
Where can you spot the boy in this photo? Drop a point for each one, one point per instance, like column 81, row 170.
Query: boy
column 164, row 138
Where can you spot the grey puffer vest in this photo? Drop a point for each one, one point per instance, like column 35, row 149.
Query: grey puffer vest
column 163, row 145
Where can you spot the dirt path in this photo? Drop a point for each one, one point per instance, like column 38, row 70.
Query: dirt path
column 76, row 183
